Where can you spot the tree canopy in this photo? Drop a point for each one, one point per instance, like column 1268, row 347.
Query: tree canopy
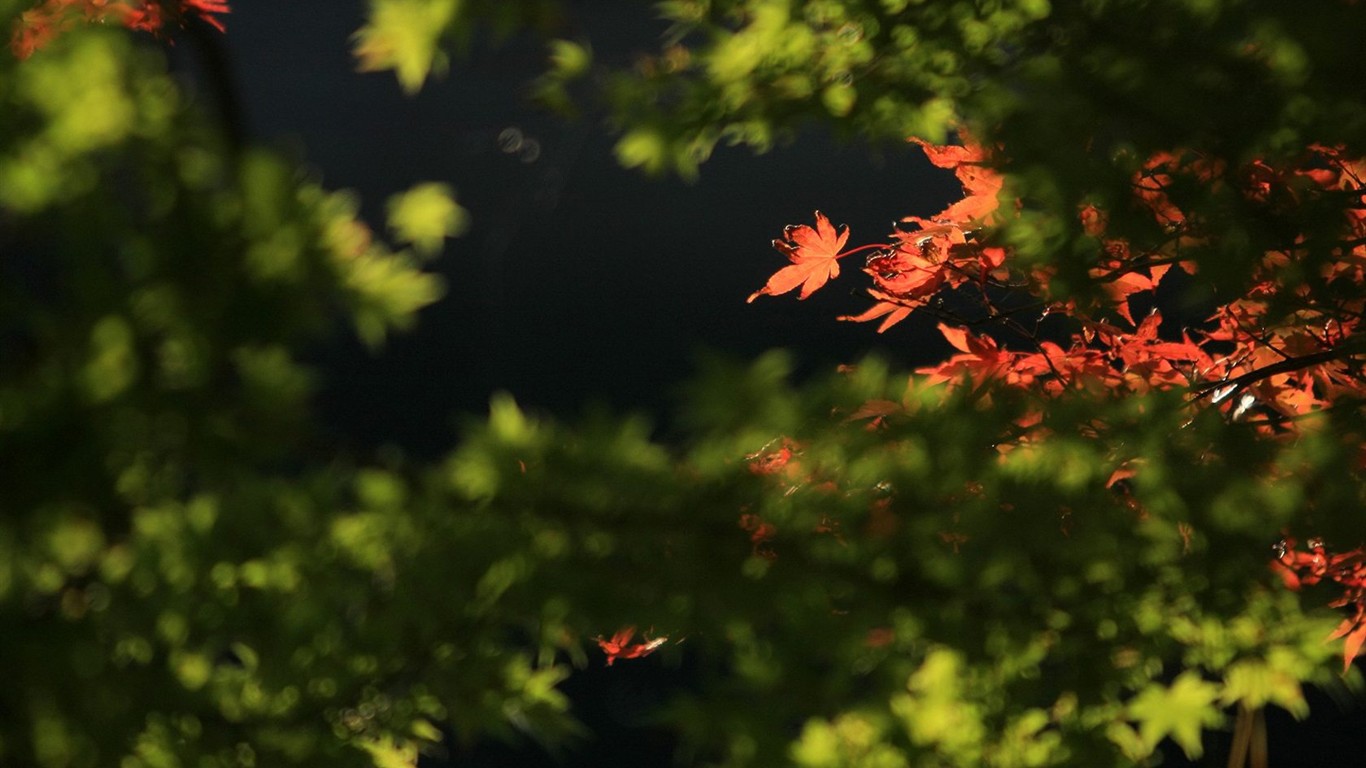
column 1125, row 509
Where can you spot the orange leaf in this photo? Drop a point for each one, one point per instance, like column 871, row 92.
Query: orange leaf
column 949, row 156
column 1354, row 630
column 895, row 313
column 981, row 184
column 964, row 341
column 814, row 253
column 1124, row 472
column 1121, row 286
column 958, row 337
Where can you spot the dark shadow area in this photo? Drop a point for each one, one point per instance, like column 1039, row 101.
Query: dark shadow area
column 579, row 282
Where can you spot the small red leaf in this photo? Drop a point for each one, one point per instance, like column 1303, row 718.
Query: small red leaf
column 621, row 647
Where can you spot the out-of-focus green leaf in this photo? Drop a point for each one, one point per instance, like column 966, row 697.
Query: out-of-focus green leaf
column 426, row 215
column 403, row 35
column 1180, row 711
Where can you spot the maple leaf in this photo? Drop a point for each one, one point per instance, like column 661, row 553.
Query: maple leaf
column 981, row 185
column 981, row 358
column 1354, row 630
column 1179, row 712
column 814, row 253
column 621, row 647
column 895, row 310
column 906, row 272
column 950, row 156
column 405, row 36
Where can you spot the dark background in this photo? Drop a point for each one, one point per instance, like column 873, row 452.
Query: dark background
column 581, row 283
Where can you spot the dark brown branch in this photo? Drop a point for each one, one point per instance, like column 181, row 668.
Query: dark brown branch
column 1340, row 352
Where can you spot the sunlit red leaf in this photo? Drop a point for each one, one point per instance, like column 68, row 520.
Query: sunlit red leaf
column 888, row 308
column 981, row 185
column 814, row 253
column 1353, row 632
column 949, row 156
column 958, row 337
column 619, row 646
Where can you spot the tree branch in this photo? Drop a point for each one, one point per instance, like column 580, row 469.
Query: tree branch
column 1341, row 352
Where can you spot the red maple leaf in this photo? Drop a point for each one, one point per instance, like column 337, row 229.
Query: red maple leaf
column 894, row 308
column 950, row 156
column 621, row 647
column 981, row 358
column 981, row 185
column 1354, row 630
column 814, row 254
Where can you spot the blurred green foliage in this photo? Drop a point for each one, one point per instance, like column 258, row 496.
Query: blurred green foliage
column 189, row 577
column 426, row 215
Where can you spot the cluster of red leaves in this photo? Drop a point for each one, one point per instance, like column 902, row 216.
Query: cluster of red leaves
column 1347, row 569
column 940, row 252
column 773, row 459
column 1291, row 344
column 1286, row 366
column 47, row 20
column 778, row 461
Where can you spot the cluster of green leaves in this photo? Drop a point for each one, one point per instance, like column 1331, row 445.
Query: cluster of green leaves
column 156, row 288
column 189, row 577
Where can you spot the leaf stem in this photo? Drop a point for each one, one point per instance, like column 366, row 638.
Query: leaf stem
column 868, row 247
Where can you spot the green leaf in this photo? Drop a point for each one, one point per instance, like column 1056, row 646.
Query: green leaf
column 1255, row 683
column 645, row 148
column 426, row 215
column 1180, row 711
column 112, row 366
column 403, row 35
column 388, row 753
column 839, row 98
column 570, row 60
